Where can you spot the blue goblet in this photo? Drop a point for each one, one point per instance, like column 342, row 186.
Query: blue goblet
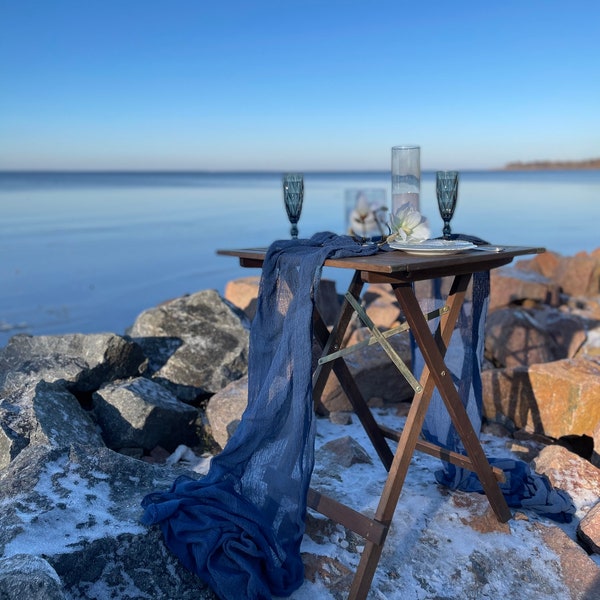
column 446, row 189
column 293, row 194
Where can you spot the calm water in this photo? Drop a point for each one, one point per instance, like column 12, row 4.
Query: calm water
column 87, row 252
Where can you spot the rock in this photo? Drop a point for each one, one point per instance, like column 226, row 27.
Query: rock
column 582, row 576
column 381, row 305
column 346, row 451
column 224, row 410
column 375, row 373
column 196, row 345
column 567, row 395
column 243, row 292
column 569, row 472
column 480, row 517
column 596, row 441
column 47, row 414
column 341, row 417
column 510, row 285
column 83, row 362
column 80, row 510
column 141, row 413
column 577, row 275
column 567, row 330
column 588, row 529
column 513, row 337
column 30, row 578
column 555, row 399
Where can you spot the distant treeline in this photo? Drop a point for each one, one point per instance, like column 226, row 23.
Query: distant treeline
column 592, row 163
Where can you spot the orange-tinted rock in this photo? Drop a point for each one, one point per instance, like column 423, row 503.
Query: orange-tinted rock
column 554, row 399
column 567, row 394
column 582, row 574
column 577, row 275
column 569, row 472
column 243, row 293
column 507, row 393
column 514, row 338
column 588, row 530
column 510, row 285
column 374, row 372
column 381, row 305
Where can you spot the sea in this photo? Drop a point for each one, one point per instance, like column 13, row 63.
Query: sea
column 87, row 252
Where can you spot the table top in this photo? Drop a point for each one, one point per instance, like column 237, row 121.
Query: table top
column 397, row 265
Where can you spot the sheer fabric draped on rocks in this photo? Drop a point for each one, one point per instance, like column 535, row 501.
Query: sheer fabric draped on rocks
column 240, row 527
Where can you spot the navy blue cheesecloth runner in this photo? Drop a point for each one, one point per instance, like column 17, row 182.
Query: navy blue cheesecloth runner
column 240, row 527
column 523, row 488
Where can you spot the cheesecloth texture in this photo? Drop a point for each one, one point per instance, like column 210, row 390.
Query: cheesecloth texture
column 240, row 527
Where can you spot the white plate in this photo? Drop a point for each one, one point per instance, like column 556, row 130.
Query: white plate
column 429, row 247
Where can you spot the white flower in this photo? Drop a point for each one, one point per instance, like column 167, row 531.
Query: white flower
column 409, row 225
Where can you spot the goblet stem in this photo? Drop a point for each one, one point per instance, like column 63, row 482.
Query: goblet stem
column 294, row 231
column 447, row 231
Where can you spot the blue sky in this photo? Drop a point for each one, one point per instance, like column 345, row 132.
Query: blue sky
column 296, row 85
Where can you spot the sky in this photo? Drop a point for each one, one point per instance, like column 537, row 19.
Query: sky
column 296, row 84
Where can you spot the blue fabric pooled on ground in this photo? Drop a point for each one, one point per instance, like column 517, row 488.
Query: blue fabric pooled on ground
column 240, row 527
column 523, row 488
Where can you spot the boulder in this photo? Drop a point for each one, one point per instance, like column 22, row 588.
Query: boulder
column 224, row 410
column 377, row 377
column 196, row 344
column 46, row 414
column 577, row 275
column 588, row 530
column 510, row 285
column 83, row 362
column 567, row 396
column 581, row 573
column 513, row 337
column 243, row 292
column 140, row 413
column 555, row 399
column 381, row 305
column 569, row 472
column 344, row 451
column 79, row 509
column 29, row 577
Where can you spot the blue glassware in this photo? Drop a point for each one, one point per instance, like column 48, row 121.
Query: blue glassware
column 446, row 189
column 293, row 194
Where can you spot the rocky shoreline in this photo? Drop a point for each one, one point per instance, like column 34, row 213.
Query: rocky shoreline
column 89, row 424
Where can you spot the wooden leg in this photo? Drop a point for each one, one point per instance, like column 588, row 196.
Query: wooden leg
column 403, row 455
column 332, row 341
column 351, row 389
column 443, row 380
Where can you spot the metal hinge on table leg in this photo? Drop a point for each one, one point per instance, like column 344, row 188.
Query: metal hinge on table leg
column 400, row 365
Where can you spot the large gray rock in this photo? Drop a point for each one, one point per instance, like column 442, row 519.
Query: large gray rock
column 80, row 509
column 84, row 362
column 45, row 414
column 141, row 413
column 29, row 578
column 196, row 344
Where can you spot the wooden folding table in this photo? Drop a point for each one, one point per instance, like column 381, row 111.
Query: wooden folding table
column 401, row 270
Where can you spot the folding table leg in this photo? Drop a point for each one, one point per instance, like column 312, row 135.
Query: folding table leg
column 443, row 380
column 406, row 447
column 349, row 385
